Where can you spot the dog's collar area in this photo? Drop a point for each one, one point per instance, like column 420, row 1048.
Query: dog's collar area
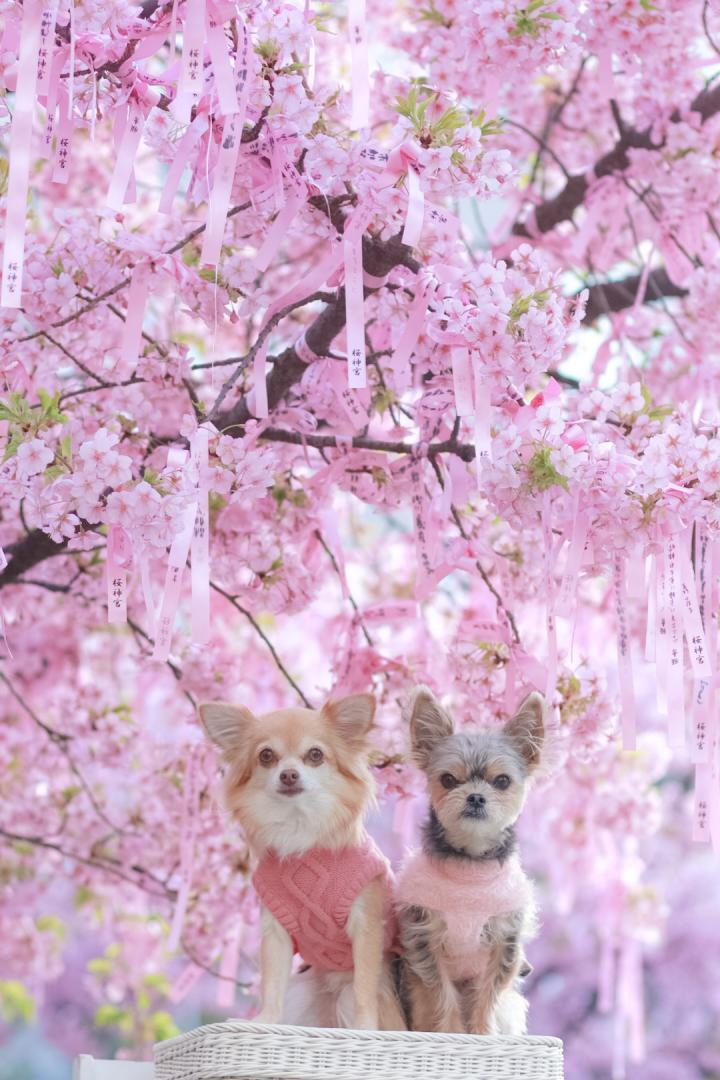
column 436, row 843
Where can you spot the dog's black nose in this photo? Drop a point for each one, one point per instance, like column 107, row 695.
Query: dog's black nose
column 476, row 801
column 289, row 777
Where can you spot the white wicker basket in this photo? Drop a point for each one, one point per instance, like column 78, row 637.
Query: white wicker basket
column 246, row 1051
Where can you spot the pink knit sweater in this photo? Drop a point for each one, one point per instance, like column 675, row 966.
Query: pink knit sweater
column 466, row 894
column 311, row 896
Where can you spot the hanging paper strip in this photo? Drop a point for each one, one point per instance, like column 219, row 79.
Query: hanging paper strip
column 278, row 229
column 46, row 142
column 125, row 160
column 132, row 327
column 228, row 967
column 416, row 204
column 411, row 333
column 567, row 596
column 46, row 47
column 462, row 380
column 354, row 303
column 192, row 69
column 222, row 68
column 63, row 140
column 359, row 63
column 675, row 679
column 119, row 559
column 606, row 79
column 186, row 980
column 694, row 632
column 200, row 547
column 627, row 688
column 182, row 156
column 221, row 191
column 19, row 168
column 188, row 831
column 701, row 808
column 703, row 692
column 422, row 538
column 552, row 648
column 173, row 584
column 483, row 420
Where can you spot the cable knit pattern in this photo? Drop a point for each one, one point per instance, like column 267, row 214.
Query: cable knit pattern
column 466, row 893
column 311, row 895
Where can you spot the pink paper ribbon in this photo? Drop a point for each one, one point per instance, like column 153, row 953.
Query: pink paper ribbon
column 222, row 68
column 483, row 424
column 200, row 546
column 119, row 560
column 701, row 804
column 173, row 585
column 186, row 980
column 606, row 79
column 675, row 677
column 188, row 831
column 627, row 688
column 692, row 622
column 222, row 188
column 359, row 65
column 462, row 380
column 123, row 173
column 130, row 347
column 228, row 967
column 354, row 300
column 46, row 48
column 192, row 68
column 20, row 146
column 416, row 204
column 411, row 333
column 63, row 139
column 182, row 156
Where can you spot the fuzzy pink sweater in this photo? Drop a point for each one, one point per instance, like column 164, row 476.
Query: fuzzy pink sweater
column 466, row 894
column 311, row 896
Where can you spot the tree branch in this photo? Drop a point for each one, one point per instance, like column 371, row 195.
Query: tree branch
column 609, row 296
column 562, row 206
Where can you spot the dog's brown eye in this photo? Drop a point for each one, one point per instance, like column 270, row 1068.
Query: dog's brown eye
column 448, row 781
column 502, row 781
column 266, row 756
column 315, row 756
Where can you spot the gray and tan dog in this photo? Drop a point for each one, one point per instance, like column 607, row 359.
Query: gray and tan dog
column 465, row 906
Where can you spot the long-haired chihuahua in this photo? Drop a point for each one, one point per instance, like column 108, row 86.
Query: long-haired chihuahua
column 465, row 906
column 298, row 781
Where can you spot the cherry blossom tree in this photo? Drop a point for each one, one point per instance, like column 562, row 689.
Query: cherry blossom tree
column 345, row 347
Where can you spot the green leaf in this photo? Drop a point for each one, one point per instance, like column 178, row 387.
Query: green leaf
column 12, row 446
column 51, row 924
column 15, row 1001
column 108, row 1015
column 542, row 473
column 163, row 1026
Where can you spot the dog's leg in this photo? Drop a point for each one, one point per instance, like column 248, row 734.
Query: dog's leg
column 434, row 1001
column 276, row 953
column 366, row 929
column 505, row 959
column 391, row 1013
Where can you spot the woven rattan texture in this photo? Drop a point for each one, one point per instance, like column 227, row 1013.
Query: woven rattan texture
column 245, row 1051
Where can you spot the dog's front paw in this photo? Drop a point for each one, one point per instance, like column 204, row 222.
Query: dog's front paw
column 367, row 1020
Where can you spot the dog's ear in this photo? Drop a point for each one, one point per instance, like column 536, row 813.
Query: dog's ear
column 428, row 724
column 227, row 725
column 526, row 729
column 351, row 717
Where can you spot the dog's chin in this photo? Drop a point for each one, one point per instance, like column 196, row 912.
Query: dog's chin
column 291, row 823
column 474, row 834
